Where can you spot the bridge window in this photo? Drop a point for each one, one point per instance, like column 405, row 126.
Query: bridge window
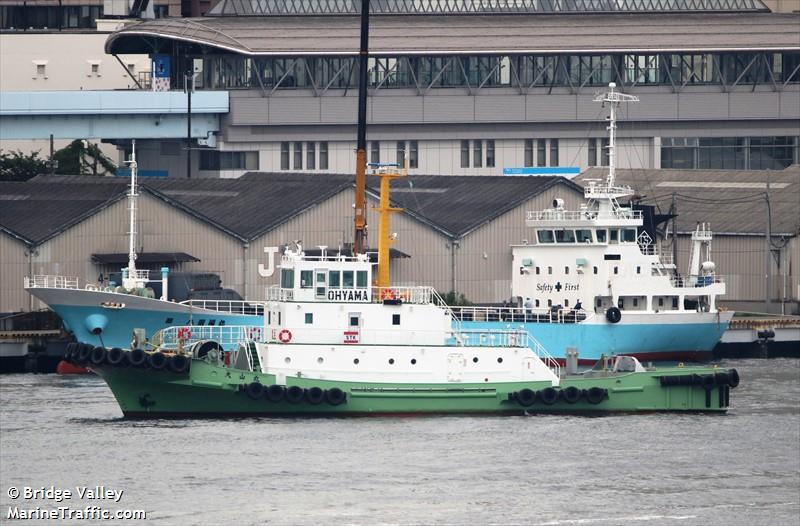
column 565, row 236
column 306, row 279
column 545, row 236
column 334, row 279
column 583, row 236
column 660, row 302
column 287, row 278
column 347, row 279
column 629, row 235
column 614, row 236
column 601, row 235
column 361, row 279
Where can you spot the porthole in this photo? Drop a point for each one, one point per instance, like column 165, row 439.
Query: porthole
column 287, row 360
column 355, row 361
column 391, row 361
column 499, row 360
column 475, row 359
column 413, row 361
column 320, row 359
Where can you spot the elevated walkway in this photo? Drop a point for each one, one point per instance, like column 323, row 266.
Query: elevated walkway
column 123, row 114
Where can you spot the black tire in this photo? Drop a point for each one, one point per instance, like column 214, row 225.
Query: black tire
column 97, row 356
column 115, row 356
column 294, row 394
column 275, row 393
column 571, row 394
column 526, row 397
column 137, row 358
column 178, row 363
column 733, row 378
column 548, row 396
column 83, row 353
column 255, row 390
column 595, row 395
column 69, row 351
column 157, row 360
column 335, row 396
column 613, row 315
column 315, row 395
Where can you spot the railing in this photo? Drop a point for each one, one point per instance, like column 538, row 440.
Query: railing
column 582, row 215
column 594, row 191
column 539, row 350
column 230, row 306
column 518, row 315
column 416, row 295
column 183, row 337
column 512, row 338
column 52, row 282
column 695, row 281
column 139, row 275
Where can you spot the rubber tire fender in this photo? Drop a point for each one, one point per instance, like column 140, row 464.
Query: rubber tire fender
column 613, row 315
column 157, row 360
column 275, row 393
column 69, row 351
column 178, row 364
column 137, row 358
column 595, row 395
column 571, row 394
column 548, row 396
column 315, row 395
column 254, row 390
column 83, row 353
column 733, row 378
column 335, row 396
column 115, row 356
column 294, row 394
column 526, row 397
column 98, row 356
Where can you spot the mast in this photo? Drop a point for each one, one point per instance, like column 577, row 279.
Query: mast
column 613, row 98
column 132, row 195
column 361, row 144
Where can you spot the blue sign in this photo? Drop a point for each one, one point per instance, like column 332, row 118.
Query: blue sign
column 161, row 66
column 566, row 171
column 126, row 172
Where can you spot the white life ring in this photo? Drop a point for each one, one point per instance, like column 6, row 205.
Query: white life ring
column 285, row 336
column 255, row 333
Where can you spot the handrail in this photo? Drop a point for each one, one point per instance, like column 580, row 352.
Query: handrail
column 581, row 215
column 696, row 281
column 51, row 281
column 540, row 351
column 518, row 314
column 180, row 338
column 252, row 308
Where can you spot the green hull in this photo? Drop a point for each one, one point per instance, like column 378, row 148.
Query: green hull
column 208, row 390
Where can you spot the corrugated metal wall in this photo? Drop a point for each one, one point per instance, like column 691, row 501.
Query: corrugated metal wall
column 13, row 269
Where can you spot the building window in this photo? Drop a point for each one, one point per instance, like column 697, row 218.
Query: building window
column 528, row 152
column 284, row 156
column 592, row 161
column 553, row 152
column 541, row 151
column 477, row 154
column 735, row 153
column 490, row 154
column 297, row 151
column 323, row 156
column 464, row 154
column 413, row 161
column 311, row 154
column 375, row 152
column 217, row 160
column 401, row 154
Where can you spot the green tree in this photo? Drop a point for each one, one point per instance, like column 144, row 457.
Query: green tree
column 16, row 166
column 83, row 158
column 455, row 299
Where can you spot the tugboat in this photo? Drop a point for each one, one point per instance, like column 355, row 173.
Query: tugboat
column 636, row 303
column 333, row 344
column 106, row 315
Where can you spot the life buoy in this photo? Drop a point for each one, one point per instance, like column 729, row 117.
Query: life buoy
column 285, row 336
column 184, row 333
column 255, row 333
column 613, row 315
column 388, row 294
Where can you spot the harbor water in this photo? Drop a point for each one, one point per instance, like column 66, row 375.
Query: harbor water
column 743, row 468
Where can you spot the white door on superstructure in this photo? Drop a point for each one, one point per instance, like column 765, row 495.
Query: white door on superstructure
column 320, row 283
column 455, row 367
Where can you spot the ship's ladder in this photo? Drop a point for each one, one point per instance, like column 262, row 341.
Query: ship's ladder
column 252, row 356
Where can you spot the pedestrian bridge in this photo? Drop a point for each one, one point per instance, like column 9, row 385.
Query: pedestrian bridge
column 123, row 114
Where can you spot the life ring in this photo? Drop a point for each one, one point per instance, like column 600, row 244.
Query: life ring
column 548, row 396
column 184, row 333
column 255, row 333
column 613, row 315
column 315, row 395
column 526, row 397
column 571, row 394
column 285, row 336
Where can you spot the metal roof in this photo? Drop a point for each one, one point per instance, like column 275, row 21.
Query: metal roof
column 395, row 35
column 732, row 201
column 144, row 258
